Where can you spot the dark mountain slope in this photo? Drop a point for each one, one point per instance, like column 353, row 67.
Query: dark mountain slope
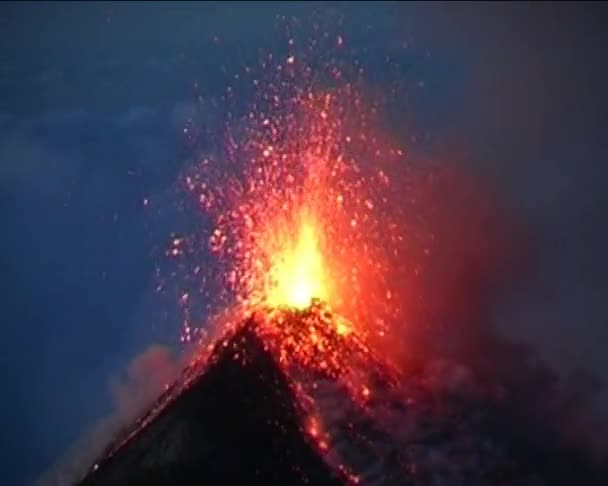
column 236, row 424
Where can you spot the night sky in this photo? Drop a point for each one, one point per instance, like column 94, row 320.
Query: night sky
column 93, row 100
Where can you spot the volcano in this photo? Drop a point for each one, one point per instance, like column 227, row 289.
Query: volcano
column 235, row 424
column 287, row 397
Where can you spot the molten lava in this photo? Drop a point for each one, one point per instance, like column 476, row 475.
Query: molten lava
column 298, row 272
column 312, row 338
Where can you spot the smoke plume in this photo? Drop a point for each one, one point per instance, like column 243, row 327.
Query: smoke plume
column 132, row 393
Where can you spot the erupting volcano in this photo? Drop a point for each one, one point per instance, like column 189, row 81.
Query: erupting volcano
column 294, row 383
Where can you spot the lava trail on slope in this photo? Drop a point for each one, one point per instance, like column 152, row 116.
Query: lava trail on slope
column 296, row 397
column 236, row 423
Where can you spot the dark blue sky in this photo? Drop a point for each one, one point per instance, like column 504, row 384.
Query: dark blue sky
column 92, row 101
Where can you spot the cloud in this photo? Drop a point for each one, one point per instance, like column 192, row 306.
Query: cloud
column 68, row 116
column 6, row 119
column 183, row 113
column 206, row 114
column 27, row 164
column 145, row 377
column 530, row 113
column 535, row 103
column 137, row 116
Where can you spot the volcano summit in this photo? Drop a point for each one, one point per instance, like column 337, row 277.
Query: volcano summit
column 295, row 397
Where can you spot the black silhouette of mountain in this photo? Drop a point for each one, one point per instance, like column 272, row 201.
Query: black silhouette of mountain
column 238, row 420
column 236, row 424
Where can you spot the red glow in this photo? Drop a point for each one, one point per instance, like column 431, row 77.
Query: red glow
column 308, row 226
column 302, row 206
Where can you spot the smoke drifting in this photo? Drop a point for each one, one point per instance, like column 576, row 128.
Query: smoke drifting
column 132, row 393
column 531, row 118
column 514, row 285
column 146, row 376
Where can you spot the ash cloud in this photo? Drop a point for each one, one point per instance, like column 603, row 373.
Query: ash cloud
column 530, row 115
column 532, row 119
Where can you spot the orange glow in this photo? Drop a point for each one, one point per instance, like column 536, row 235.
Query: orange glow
column 298, row 272
column 305, row 218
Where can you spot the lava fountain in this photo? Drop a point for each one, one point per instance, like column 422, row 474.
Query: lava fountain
column 298, row 271
column 301, row 199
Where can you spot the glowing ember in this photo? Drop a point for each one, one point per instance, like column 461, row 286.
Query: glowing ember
column 312, row 338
